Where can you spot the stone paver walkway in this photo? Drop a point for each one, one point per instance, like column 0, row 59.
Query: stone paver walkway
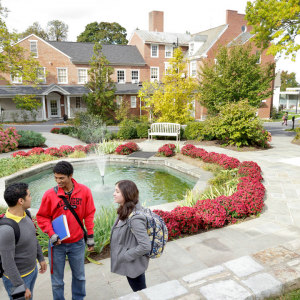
column 250, row 260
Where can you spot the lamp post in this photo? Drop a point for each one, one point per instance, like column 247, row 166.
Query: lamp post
column 175, row 45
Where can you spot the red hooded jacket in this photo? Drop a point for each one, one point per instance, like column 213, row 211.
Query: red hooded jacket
column 52, row 207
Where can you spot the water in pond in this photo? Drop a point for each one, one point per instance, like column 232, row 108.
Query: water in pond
column 157, row 184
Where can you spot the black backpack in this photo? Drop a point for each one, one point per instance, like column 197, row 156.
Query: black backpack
column 16, row 228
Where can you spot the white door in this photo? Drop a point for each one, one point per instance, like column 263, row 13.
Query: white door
column 53, row 105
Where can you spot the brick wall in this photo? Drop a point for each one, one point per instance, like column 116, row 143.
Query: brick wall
column 156, row 21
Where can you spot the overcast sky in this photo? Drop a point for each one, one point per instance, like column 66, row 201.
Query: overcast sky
column 179, row 16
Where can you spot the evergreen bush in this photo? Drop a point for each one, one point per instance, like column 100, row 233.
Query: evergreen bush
column 30, row 138
column 142, row 130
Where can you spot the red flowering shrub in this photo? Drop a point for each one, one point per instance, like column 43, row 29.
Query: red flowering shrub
column 19, row 153
column 53, row 151
column 35, row 151
column 212, row 213
column 167, row 150
column 66, row 150
column 8, row 139
column 80, row 148
column 90, row 147
column 55, row 130
column 127, row 148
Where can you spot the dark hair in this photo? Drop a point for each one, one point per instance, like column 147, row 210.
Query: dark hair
column 130, row 193
column 63, row 167
column 14, row 192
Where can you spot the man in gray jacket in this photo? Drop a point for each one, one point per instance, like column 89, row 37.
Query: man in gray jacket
column 19, row 260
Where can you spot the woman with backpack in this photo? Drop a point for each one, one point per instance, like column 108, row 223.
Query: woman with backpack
column 129, row 240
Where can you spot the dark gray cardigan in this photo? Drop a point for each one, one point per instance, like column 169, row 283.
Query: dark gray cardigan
column 127, row 248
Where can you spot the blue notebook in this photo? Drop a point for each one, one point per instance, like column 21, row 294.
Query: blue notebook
column 61, row 228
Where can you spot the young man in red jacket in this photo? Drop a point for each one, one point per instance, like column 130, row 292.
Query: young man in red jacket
column 80, row 198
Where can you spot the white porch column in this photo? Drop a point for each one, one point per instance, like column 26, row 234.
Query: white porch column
column 69, row 106
column 44, row 107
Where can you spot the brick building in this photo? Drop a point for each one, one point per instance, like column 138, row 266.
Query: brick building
column 146, row 56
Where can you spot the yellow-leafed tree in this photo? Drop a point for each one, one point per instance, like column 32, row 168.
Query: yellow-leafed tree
column 172, row 99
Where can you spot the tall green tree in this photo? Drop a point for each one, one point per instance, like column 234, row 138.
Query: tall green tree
column 57, row 30
column 36, row 29
column 171, row 101
column 100, row 101
column 288, row 80
column 14, row 59
column 104, row 33
column 235, row 76
column 276, row 22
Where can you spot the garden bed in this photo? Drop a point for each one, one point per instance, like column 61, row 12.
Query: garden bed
column 296, row 142
column 220, row 144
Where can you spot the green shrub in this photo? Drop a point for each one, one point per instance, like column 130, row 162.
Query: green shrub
column 127, row 130
column 237, row 124
column 65, row 130
column 77, row 154
column 142, row 130
column 194, row 130
column 30, row 138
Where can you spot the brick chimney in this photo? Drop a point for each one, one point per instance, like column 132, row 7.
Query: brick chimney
column 156, row 21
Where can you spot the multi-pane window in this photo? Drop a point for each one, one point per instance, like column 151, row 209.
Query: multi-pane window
column 78, row 102
column 167, row 68
column 134, row 76
column 121, row 76
column 133, row 101
column 258, row 54
column 168, row 51
column 16, row 79
column 154, row 50
column 154, row 72
column 191, row 48
column 41, row 75
column 62, row 75
column 82, row 76
column 33, row 48
column 193, row 68
column 119, row 100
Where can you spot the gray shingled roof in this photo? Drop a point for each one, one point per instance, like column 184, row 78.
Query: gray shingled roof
column 241, row 39
column 163, row 37
column 115, row 54
column 39, row 90
column 212, row 35
column 127, row 88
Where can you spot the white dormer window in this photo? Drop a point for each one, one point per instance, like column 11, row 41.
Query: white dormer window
column 82, row 76
column 33, row 48
column 154, row 50
column 168, row 51
column 193, row 68
column 191, row 48
column 121, row 76
column 135, row 76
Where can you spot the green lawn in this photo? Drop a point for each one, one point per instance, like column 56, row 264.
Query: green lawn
column 294, row 295
column 279, row 118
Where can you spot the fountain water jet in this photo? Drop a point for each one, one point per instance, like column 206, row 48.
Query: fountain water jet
column 100, row 159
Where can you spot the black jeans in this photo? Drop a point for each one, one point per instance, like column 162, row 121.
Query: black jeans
column 138, row 283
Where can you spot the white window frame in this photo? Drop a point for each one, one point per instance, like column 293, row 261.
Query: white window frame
column 167, row 51
column 259, row 60
column 59, row 82
column 119, row 100
column 120, row 70
column 153, row 79
column 154, row 45
column 44, row 77
column 80, row 101
column 16, row 79
column 193, row 64
column 86, row 75
column 36, row 54
column 167, row 67
column 191, row 50
column 133, row 98
column 138, row 79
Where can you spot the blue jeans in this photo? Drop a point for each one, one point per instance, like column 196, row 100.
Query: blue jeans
column 75, row 253
column 29, row 282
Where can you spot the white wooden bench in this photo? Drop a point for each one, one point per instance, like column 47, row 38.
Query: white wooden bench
column 164, row 129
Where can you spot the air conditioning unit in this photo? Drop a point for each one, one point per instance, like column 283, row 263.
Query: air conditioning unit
column 135, row 81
